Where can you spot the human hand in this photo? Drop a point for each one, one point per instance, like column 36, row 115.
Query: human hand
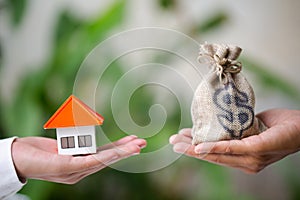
column 37, row 158
column 251, row 154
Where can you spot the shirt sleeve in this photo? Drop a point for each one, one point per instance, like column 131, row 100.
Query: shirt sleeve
column 9, row 181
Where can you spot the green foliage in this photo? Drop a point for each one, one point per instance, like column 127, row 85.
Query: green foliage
column 113, row 16
column 18, row 8
column 167, row 4
column 212, row 22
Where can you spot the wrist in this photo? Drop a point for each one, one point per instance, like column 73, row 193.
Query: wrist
column 15, row 149
column 10, row 182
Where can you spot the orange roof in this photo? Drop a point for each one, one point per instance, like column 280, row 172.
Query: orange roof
column 73, row 112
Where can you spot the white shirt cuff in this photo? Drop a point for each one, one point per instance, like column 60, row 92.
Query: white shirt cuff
column 9, row 182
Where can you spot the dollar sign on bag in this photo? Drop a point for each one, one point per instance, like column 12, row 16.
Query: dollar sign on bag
column 234, row 111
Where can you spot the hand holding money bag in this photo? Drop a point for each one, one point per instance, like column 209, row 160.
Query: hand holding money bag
column 223, row 103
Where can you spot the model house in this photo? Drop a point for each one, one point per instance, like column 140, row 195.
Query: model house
column 75, row 125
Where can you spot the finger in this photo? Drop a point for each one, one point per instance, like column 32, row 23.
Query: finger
column 219, row 159
column 82, row 163
column 247, row 145
column 137, row 141
column 183, row 135
column 186, row 132
column 180, row 138
column 172, row 139
column 107, row 156
column 121, row 141
column 184, row 148
column 142, row 143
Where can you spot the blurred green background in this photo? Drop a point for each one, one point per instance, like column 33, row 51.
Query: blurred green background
column 36, row 79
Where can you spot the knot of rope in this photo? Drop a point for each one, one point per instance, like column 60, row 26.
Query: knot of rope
column 223, row 59
column 224, row 66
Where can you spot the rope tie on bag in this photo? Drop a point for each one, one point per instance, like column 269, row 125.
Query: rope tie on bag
column 220, row 61
column 224, row 66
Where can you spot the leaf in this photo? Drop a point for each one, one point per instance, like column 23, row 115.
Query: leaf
column 24, row 116
column 167, row 4
column 18, row 8
column 212, row 23
column 75, row 38
column 112, row 17
column 65, row 27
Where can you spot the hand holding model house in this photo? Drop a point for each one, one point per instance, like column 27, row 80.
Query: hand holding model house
column 37, row 158
column 52, row 160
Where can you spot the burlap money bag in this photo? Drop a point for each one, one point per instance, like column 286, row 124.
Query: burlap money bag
column 223, row 103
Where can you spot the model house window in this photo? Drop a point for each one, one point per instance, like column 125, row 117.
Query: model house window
column 85, row 141
column 67, row 142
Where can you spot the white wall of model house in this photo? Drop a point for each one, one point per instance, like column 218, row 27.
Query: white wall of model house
column 76, row 140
